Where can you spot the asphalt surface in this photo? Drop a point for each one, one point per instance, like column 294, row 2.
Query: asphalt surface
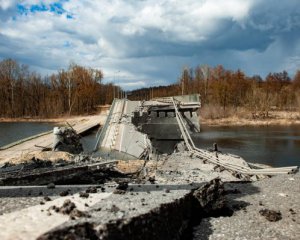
column 279, row 193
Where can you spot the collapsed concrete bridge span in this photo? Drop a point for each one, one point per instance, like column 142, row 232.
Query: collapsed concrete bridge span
column 139, row 128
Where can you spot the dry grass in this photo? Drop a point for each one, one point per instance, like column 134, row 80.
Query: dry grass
column 216, row 115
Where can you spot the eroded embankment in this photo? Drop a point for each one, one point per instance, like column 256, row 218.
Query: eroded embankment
column 172, row 219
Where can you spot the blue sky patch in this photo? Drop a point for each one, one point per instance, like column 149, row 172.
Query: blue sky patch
column 22, row 9
column 56, row 7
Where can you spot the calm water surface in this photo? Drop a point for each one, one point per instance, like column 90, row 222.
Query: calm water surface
column 13, row 131
column 273, row 145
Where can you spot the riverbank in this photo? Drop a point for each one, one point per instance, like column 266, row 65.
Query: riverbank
column 283, row 118
column 242, row 118
column 61, row 120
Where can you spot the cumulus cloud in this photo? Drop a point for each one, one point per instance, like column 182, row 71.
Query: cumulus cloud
column 150, row 41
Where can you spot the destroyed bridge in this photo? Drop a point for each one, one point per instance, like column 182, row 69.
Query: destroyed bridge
column 146, row 129
column 145, row 179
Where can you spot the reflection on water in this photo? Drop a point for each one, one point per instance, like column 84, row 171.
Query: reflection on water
column 273, row 145
column 88, row 141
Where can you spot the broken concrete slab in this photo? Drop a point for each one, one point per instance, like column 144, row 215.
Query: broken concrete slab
column 143, row 212
column 35, row 220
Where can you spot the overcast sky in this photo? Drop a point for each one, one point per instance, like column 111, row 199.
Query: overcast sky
column 140, row 43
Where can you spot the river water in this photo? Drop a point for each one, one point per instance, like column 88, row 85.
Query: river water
column 273, row 145
column 276, row 146
column 13, row 131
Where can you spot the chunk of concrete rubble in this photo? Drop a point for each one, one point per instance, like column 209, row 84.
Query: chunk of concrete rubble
column 66, row 139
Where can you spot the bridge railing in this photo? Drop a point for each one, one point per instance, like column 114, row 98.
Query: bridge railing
column 101, row 133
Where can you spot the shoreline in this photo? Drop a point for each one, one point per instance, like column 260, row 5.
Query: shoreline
column 230, row 122
column 61, row 119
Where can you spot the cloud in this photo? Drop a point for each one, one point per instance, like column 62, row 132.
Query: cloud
column 6, row 4
column 148, row 41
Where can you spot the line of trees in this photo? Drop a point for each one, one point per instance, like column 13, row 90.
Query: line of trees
column 77, row 90
column 232, row 89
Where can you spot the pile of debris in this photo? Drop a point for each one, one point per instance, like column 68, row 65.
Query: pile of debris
column 66, row 139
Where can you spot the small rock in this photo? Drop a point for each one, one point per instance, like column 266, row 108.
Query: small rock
column 67, row 207
column 91, row 190
column 47, row 199
column 151, row 179
column 122, row 186
column 167, row 190
column 42, row 203
column 271, row 215
column 114, row 209
column 64, row 193
column 83, row 195
column 292, row 211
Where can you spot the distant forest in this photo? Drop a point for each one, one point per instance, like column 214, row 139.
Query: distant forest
column 79, row 90
column 225, row 92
